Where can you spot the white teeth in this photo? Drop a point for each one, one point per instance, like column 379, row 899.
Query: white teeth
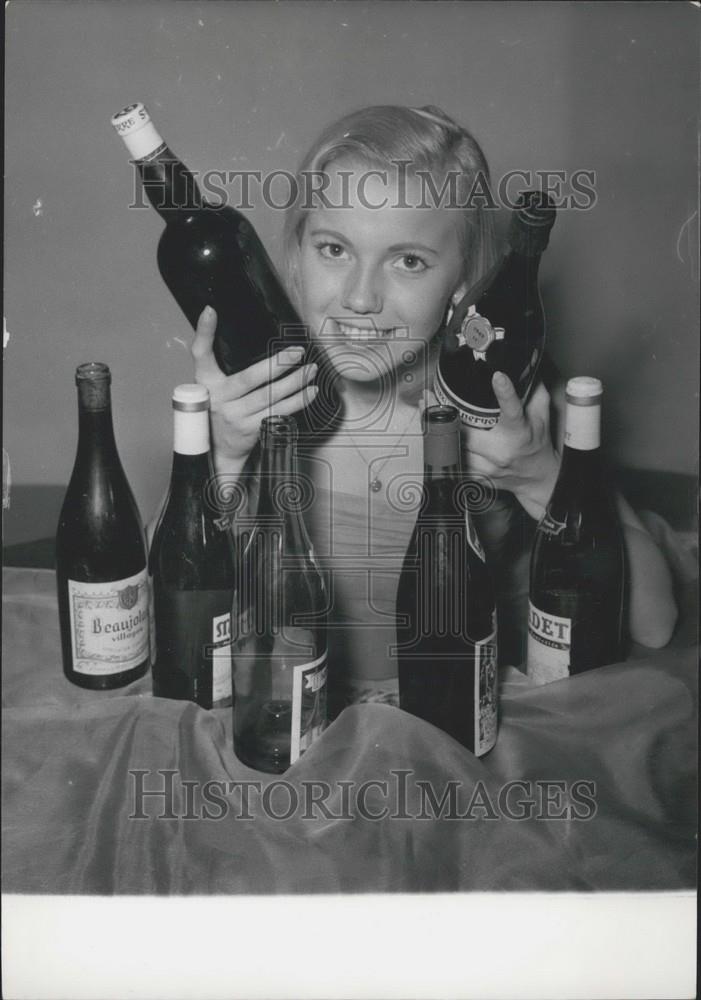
column 362, row 333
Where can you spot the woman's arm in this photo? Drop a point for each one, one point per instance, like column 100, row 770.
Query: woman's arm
column 652, row 609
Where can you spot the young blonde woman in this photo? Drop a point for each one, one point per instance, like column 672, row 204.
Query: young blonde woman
column 375, row 263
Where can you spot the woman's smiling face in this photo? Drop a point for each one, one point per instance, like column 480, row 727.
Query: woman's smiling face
column 375, row 282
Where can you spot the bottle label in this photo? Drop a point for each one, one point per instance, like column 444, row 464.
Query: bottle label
column 550, row 526
column 549, row 636
column 152, row 621
column 473, row 416
column 110, row 624
column 221, row 659
column 193, row 634
column 308, row 705
column 485, row 694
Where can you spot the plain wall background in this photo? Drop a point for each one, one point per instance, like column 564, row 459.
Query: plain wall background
column 606, row 87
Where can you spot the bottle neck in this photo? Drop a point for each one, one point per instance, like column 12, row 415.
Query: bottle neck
column 281, row 492
column 95, row 428
column 191, row 458
column 581, row 454
column 169, row 185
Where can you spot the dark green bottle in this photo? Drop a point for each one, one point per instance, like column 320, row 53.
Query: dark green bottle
column 103, row 594
column 192, row 567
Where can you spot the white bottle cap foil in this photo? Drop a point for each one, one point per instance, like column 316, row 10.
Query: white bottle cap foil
column 583, row 413
column 134, row 125
column 584, row 387
column 190, row 419
column 190, row 397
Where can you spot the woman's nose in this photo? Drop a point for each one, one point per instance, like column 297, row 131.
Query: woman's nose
column 362, row 292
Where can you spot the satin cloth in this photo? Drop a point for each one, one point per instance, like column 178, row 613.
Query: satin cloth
column 69, row 794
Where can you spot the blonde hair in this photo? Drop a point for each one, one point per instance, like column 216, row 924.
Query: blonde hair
column 426, row 139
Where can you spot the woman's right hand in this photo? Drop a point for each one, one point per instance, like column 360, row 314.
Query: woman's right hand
column 240, row 402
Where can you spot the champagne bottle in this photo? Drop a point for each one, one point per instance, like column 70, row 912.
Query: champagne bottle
column 211, row 255
column 499, row 324
column 577, row 577
column 192, row 566
column 280, row 642
column 102, row 583
column 446, row 619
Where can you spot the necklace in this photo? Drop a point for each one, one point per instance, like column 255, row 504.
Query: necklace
column 375, row 483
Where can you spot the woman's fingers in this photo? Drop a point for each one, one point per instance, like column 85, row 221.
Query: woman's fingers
column 207, row 371
column 507, row 397
column 273, row 392
column 291, row 404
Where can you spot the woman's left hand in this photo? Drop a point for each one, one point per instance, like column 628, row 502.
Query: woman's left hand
column 517, row 454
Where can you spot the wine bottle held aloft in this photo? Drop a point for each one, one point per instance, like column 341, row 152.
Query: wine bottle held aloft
column 101, row 577
column 211, row 255
column 446, row 618
column 192, row 567
column 280, row 643
column 578, row 570
column 499, row 324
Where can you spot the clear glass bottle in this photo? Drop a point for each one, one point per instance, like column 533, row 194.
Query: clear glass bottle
column 280, row 640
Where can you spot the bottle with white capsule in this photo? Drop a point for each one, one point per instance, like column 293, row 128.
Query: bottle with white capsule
column 192, row 565
column 210, row 255
column 578, row 569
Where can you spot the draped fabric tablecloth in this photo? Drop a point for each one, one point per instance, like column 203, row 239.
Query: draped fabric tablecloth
column 361, row 811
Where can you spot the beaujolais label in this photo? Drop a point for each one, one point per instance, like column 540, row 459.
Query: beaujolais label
column 549, row 638
column 308, row 705
column 485, row 694
column 109, row 624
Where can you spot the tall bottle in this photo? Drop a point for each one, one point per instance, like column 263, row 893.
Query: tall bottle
column 280, row 644
column 499, row 324
column 102, row 582
column 211, row 255
column 192, row 566
column 446, row 619
column 577, row 578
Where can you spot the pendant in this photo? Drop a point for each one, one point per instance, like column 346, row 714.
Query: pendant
column 375, row 485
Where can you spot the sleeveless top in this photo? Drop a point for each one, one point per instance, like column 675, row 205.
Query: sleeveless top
column 360, row 543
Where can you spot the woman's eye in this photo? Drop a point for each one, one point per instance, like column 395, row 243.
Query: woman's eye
column 411, row 262
column 331, row 251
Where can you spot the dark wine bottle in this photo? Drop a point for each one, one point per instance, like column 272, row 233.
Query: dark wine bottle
column 446, row 619
column 499, row 324
column 280, row 640
column 577, row 578
column 192, row 567
column 211, row 255
column 101, row 577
